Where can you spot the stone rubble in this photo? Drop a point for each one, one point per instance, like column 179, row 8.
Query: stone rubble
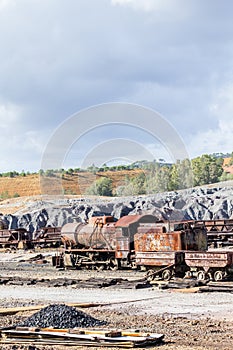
column 61, row 316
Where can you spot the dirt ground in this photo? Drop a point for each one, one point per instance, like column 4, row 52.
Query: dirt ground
column 187, row 320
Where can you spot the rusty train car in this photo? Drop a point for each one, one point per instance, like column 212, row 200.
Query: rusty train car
column 20, row 238
column 14, row 238
column 164, row 249
column 47, row 237
column 102, row 242
column 161, row 248
column 181, row 253
column 219, row 232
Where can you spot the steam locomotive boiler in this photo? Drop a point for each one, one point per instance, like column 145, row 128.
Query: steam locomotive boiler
column 102, row 242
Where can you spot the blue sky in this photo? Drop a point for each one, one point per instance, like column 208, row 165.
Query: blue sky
column 58, row 57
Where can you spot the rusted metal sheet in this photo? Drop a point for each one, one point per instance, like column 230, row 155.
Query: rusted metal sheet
column 90, row 236
column 155, row 237
column 154, row 241
column 101, row 220
column 209, row 259
column 158, row 258
column 125, row 221
column 122, row 247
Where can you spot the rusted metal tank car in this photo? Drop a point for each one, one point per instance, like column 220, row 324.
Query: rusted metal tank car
column 96, row 234
column 102, row 243
column 161, row 248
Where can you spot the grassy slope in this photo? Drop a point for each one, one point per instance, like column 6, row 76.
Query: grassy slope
column 72, row 184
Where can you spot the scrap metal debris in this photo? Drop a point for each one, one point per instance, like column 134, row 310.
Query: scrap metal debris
column 79, row 337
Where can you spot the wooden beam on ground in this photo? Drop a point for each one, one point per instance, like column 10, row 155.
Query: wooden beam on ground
column 15, row 310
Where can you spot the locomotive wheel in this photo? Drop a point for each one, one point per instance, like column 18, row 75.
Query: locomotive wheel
column 100, row 267
column 150, row 275
column 218, row 275
column 113, row 264
column 201, row 275
column 188, row 274
column 166, row 275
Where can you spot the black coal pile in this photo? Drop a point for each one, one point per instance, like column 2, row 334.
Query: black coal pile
column 61, row 316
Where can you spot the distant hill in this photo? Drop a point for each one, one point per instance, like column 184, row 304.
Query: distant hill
column 75, row 184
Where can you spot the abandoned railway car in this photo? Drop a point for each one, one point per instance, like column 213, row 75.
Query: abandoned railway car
column 164, row 249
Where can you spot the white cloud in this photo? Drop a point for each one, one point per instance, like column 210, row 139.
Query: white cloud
column 213, row 140
column 217, row 139
column 9, row 115
column 5, row 4
column 223, row 104
column 158, row 10
column 20, row 146
column 145, row 5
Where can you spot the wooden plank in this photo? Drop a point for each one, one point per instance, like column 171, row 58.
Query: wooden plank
column 15, row 310
column 187, row 290
column 67, row 343
column 126, row 339
column 106, row 333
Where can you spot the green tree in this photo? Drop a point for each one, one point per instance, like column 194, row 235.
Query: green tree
column 133, row 186
column 185, row 174
column 226, row 176
column 93, row 169
column 101, row 187
column 207, row 169
column 174, row 177
column 49, row 173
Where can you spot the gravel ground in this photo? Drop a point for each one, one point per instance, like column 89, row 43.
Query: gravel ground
column 188, row 321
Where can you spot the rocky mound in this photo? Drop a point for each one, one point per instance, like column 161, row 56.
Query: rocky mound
column 61, row 316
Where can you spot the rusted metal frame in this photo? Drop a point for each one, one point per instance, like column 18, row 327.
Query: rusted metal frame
column 90, row 250
column 95, row 229
column 98, row 225
column 160, row 270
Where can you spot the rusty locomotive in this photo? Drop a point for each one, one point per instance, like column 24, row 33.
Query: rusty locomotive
column 164, row 249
